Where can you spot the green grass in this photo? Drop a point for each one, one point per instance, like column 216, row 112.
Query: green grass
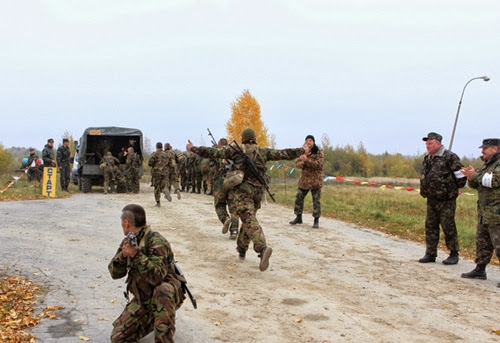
column 399, row 213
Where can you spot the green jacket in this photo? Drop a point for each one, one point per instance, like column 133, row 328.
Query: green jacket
column 438, row 181
column 487, row 182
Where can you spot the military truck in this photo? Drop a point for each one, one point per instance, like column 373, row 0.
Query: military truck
column 94, row 144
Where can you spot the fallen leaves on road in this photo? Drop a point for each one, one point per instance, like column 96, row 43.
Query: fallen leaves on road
column 17, row 297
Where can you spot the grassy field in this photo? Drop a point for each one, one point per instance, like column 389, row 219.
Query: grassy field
column 25, row 190
column 399, row 213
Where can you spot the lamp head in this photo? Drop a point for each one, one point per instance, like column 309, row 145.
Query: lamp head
column 485, row 78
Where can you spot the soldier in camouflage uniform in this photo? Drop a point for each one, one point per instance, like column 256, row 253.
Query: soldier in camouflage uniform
column 439, row 183
column 33, row 166
column 182, row 171
column 173, row 178
column 160, row 167
column 205, row 171
column 191, row 172
column 132, row 167
column 486, row 179
column 151, row 278
column 109, row 170
column 63, row 160
column 248, row 194
column 224, row 197
column 311, row 179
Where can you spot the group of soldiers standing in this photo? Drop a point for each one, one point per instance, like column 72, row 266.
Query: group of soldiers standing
column 122, row 171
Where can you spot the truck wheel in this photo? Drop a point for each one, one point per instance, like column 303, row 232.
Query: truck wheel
column 86, row 184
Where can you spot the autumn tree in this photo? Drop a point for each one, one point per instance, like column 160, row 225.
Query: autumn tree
column 246, row 113
column 6, row 161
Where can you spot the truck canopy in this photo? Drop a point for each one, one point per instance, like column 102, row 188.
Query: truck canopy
column 111, row 138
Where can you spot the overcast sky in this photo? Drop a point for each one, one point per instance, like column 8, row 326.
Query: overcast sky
column 383, row 73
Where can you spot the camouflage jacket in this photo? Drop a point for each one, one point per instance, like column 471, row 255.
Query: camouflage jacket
column 172, row 161
column 63, row 155
column 151, row 266
column 159, row 163
column 133, row 162
column 312, row 171
column 48, row 156
column 438, row 181
column 109, row 162
column 487, row 182
column 259, row 155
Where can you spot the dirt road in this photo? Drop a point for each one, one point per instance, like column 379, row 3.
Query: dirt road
column 340, row 283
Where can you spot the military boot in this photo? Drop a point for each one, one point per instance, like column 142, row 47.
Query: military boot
column 427, row 259
column 316, row 223
column 452, row 259
column 226, row 225
column 241, row 253
column 167, row 196
column 264, row 255
column 477, row 273
column 157, row 204
column 297, row 220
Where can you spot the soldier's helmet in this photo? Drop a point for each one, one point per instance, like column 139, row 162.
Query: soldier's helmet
column 109, row 153
column 248, row 134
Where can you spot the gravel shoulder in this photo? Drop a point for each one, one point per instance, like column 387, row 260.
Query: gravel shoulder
column 340, row 283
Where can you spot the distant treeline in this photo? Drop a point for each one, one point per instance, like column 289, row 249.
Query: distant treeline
column 348, row 161
column 339, row 161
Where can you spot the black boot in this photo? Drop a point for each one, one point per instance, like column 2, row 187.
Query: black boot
column 427, row 259
column 316, row 223
column 452, row 259
column 297, row 220
column 477, row 273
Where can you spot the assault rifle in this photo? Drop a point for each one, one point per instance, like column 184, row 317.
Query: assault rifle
column 214, row 142
column 250, row 164
column 184, row 286
column 132, row 240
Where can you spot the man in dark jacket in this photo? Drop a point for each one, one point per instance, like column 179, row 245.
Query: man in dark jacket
column 63, row 161
column 439, row 183
column 486, row 179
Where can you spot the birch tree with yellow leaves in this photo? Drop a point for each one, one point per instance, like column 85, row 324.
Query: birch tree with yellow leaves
column 246, row 113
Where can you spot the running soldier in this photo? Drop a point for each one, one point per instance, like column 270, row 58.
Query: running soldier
column 108, row 166
column 248, row 189
column 132, row 165
column 159, row 163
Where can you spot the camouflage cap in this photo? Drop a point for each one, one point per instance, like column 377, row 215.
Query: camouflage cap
column 490, row 142
column 248, row 134
column 433, row 135
column 50, row 140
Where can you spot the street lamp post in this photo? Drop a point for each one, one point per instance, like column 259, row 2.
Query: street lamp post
column 485, row 79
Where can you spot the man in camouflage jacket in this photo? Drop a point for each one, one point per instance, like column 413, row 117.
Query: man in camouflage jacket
column 439, row 183
column 151, row 278
column 109, row 170
column 160, row 168
column 311, row 179
column 48, row 154
column 486, row 179
column 173, row 178
column 132, row 167
column 63, row 161
column 248, row 194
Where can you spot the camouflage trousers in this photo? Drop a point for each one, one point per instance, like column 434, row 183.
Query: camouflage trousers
column 159, row 184
column 299, row 201
column 247, row 200
column 132, row 181
column 224, row 199
column 487, row 241
column 158, row 315
column 64, row 173
column 440, row 212
column 173, row 180
column 109, row 175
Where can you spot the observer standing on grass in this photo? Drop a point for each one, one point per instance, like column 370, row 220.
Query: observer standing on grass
column 311, row 179
column 486, row 179
column 439, row 183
